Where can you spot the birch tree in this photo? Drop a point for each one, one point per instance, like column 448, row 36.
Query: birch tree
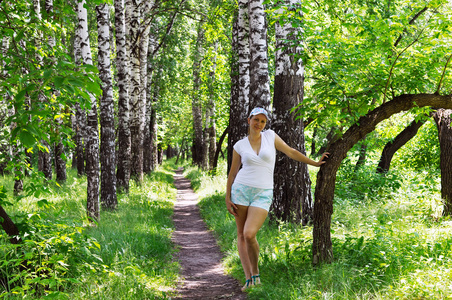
column 92, row 134
column 210, row 110
column 259, row 77
column 136, row 105
column 292, row 191
column 107, row 125
column 124, row 142
column 239, row 107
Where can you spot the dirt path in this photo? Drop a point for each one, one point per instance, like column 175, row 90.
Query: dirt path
column 199, row 255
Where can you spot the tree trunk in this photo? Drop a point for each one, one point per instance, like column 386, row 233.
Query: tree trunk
column 391, row 147
column 259, row 77
column 292, row 199
column 60, row 163
column 198, row 152
column 5, row 149
column 80, row 115
column 153, row 126
column 240, row 79
column 137, row 105
column 92, row 134
column 218, row 150
column 210, row 122
column 322, row 250
column 147, row 146
column 107, row 125
column 9, row 227
column 443, row 122
column 124, row 142
column 79, row 138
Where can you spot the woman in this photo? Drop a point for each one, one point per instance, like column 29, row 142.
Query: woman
column 249, row 191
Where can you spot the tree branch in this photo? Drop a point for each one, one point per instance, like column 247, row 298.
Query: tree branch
column 442, row 76
column 410, row 23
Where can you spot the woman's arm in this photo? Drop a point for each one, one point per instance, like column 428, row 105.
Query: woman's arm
column 235, row 166
column 297, row 155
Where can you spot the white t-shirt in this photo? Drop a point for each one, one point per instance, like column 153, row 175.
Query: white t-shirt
column 257, row 170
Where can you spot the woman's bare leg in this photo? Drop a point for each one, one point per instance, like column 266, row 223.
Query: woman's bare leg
column 240, row 220
column 255, row 219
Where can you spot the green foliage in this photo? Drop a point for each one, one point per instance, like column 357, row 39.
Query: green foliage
column 391, row 244
column 128, row 255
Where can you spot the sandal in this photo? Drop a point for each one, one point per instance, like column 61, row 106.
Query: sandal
column 248, row 284
column 256, row 279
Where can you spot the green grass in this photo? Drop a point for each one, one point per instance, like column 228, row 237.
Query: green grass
column 389, row 241
column 128, row 255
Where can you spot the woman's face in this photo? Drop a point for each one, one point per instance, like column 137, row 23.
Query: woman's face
column 257, row 123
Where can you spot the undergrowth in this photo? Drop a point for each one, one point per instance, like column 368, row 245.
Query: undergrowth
column 389, row 240
column 126, row 255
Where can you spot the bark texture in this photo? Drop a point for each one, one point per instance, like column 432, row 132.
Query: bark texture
column 259, row 76
column 137, row 106
column 210, row 120
column 326, row 177
column 292, row 199
column 240, row 79
column 443, row 122
column 107, row 124
column 92, row 134
column 124, row 142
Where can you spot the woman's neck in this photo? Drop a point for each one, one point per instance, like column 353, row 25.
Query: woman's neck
column 254, row 136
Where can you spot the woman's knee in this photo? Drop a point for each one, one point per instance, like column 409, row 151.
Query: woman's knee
column 249, row 236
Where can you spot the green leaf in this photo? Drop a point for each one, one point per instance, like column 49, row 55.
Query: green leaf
column 58, row 80
column 27, row 139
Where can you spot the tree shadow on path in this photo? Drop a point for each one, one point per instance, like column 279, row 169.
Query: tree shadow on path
column 199, row 255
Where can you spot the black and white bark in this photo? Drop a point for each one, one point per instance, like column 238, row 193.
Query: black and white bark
column 148, row 148
column 292, row 198
column 240, row 78
column 137, row 107
column 210, row 112
column 107, row 123
column 259, row 94
column 92, row 134
column 124, row 142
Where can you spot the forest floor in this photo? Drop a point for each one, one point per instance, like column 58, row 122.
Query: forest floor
column 202, row 273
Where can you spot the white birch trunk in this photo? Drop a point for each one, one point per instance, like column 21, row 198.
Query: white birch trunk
column 148, row 146
column 292, row 191
column 107, row 146
column 137, row 106
column 210, row 120
column 259, row 77
column 92, row 134
column 124, row 142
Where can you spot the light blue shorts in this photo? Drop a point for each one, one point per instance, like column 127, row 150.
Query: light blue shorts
column 250, row 196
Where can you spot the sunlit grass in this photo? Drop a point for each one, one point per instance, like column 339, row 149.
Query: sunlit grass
column 389, row 241
column 127, row 255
